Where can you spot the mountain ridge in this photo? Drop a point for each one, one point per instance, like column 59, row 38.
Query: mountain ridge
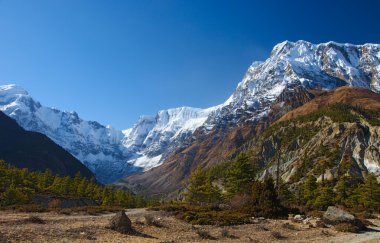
column 291, row 66
column 35, row 151
column 153, row 140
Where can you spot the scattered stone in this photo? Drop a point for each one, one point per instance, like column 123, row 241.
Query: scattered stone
column 121, row 223
column 255, row 221
column 297, row 219
column 306, row 221
column 317, row 223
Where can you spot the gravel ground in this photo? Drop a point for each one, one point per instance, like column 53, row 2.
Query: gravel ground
column 85, row 228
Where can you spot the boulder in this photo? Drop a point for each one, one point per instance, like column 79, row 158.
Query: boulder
column 121, row 223
column 335, row 216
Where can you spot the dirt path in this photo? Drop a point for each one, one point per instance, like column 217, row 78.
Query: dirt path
column 365, row 237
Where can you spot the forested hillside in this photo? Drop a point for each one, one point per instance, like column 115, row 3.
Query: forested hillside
column 19, row 186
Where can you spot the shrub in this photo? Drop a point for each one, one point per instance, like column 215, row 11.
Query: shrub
column 54, row 204
column 277, row 235
column 226, row 234
column 34, row 220
column 203, row 234
column 344, row 227
column 26, row 208
column 315, row 214
column 90, row 210
column 222, row 218
column 289, row 226
column 239, row 200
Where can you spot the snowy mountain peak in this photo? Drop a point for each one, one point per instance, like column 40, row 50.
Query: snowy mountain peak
column 327, row 66
column 12, row 89
column 112, row 154
column 109, row 153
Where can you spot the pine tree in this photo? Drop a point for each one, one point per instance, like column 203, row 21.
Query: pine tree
column 342, row 189
column 309, row 191
column 324, row 197
column 200, row 188
column 264, row 201
column 370, row 193
column 284, row 195
column 81, row 189
column 240, row 175
column 13, row 195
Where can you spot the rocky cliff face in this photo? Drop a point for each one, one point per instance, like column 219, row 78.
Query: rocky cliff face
column 343, row 139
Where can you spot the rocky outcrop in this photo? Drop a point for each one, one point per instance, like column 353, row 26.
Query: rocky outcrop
column 121, row 223
column 335, row 216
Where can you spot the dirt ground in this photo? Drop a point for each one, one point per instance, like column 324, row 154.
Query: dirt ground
column 86, row 228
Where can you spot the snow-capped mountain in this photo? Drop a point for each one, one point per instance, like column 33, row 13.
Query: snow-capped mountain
column 327, row 66
column 109, row 153
column 266, row 92
column 113, row 154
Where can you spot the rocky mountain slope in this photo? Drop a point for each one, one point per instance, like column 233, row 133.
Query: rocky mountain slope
column 35, row 151
column 293, row 74
column 109, row 153
column 183, row 137
column 337, row 137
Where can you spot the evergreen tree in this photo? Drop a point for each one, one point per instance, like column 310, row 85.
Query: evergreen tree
column 324, row 197
column 81, row 189
column 200, row 188
column 240, row 175
column 13, row 195
column 309, row 191
column 353, row 198
column 370, row 193
column 284, row 195
column 264, row 201
column 342, row 189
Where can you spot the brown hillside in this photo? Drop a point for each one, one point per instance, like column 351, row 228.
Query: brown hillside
column 209, row 149
column 353, row 96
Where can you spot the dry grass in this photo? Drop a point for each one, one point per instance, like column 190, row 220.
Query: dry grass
column 87, row 228
column 277, row 235
column 344, row 227
column 204, row 234
column 34, row 220
column 289, row 226
column 89, row 210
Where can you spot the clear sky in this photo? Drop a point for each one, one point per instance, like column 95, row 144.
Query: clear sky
column 114, row 60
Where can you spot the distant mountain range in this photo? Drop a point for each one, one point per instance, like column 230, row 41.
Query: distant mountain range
column 36, row 151
column 168, row 145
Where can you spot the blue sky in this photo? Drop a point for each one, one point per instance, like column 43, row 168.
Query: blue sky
column 112, row 61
